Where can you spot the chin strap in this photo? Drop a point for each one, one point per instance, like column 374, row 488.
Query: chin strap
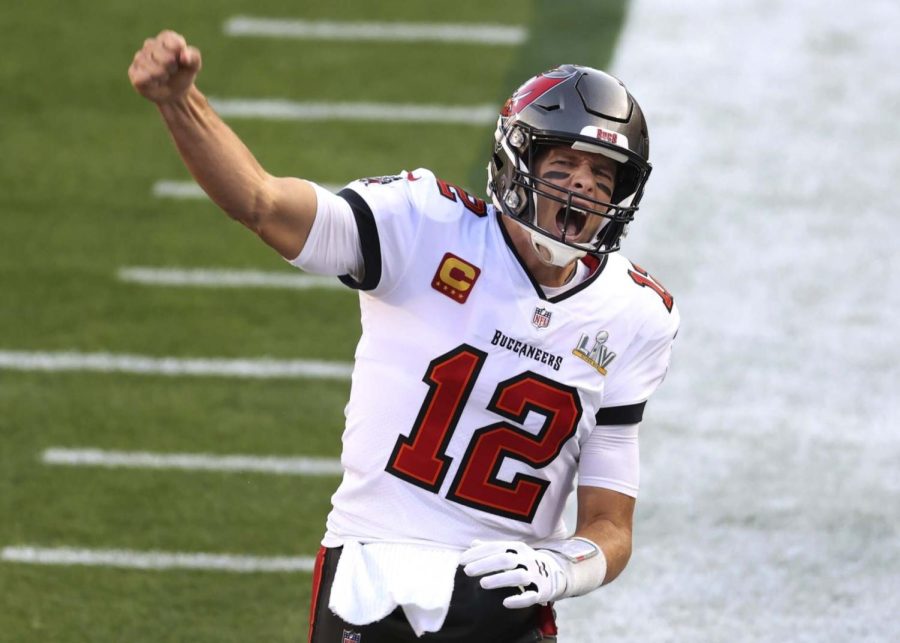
column 551, row 252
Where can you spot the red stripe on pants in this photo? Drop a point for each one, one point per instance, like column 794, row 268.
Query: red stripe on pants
column 316, row 587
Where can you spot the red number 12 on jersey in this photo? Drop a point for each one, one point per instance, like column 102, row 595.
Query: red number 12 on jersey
column 420, row 458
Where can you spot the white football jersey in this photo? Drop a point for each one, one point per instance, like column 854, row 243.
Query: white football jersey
column 472, row 392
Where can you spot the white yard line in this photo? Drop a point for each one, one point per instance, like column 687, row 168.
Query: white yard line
column 279, row 109
column 173, row 366
column 168, row 189
column 155, row 560
column 213, row 278
column 297, row 466
column 476, row 34
column 178, row 190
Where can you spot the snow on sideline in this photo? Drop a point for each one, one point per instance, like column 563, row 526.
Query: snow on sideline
column 155, row 560
column 216, row 278
column 475, row 34
column 769, row 508
column 296, row 466
column 173, row 366
column 168, row 189
column 280, row 109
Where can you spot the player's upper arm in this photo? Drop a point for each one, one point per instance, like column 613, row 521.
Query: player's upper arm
column 333, row 246
column 610, row 458
column 285, row 214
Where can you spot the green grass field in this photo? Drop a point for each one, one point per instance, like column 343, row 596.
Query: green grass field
column 81, row 154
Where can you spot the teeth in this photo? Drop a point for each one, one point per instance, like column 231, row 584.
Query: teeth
column 574, row 210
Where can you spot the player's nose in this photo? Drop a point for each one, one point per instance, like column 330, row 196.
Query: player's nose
column 582, row 178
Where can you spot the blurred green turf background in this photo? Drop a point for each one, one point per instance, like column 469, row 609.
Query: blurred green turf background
column 81, row 152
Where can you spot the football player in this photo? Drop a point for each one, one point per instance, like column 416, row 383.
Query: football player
column 507, row 353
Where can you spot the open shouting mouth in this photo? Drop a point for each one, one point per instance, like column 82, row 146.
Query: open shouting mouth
column 570, row 226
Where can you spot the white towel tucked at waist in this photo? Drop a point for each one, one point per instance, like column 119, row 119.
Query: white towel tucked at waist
column 372, row 579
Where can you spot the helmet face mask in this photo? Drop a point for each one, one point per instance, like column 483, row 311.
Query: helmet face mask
column 586, row 110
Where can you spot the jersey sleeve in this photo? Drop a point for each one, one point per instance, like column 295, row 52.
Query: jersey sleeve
column 389, row 215
column 610, row 458
column 333, row 247
column 642, row 369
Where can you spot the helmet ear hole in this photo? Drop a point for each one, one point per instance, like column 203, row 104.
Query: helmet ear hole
column 499, row 162
column 517, row 138
column 626, row 182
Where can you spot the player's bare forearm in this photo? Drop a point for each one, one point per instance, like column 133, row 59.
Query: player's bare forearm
column 605, row 517
column 216, row 157
column 280, row 210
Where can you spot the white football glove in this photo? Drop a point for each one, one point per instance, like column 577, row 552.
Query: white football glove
column 537, row 573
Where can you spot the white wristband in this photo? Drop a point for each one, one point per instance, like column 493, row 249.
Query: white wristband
column 582, row 562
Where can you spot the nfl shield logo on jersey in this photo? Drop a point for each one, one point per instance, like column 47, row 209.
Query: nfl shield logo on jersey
column 351, row 637
column 541, row 318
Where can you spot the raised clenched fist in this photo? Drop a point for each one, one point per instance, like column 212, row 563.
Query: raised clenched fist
column 164, row 68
